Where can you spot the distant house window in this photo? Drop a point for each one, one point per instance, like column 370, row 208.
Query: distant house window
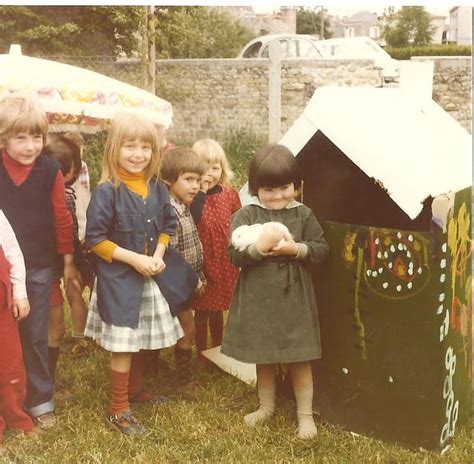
column 349, row 32
column 374, row 32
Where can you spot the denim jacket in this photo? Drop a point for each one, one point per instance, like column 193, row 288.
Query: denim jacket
column 134, row 223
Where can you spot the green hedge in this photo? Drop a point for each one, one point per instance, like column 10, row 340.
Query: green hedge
column 406, row 53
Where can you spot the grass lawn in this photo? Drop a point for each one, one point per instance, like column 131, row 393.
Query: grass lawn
column 208, row 430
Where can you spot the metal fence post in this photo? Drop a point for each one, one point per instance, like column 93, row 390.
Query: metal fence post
column 274, row 93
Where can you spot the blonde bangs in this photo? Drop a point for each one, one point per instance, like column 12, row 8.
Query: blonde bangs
column 212, row 153
column 127, row 127
column 21, row 113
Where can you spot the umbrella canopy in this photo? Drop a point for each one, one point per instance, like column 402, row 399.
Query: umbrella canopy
column 75, row 98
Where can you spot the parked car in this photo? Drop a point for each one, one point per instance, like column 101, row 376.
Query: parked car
column 306, row 46
column 361, row 47
column 291, row 46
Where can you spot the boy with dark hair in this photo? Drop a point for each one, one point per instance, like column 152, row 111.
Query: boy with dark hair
column 181, row 170
column 32, row 198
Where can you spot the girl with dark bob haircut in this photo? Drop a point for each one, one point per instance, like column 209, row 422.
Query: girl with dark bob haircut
column 271, row 166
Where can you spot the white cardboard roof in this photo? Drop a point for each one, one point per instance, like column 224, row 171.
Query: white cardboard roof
column 411, row 145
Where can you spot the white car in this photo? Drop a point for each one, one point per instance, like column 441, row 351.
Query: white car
column 306, row 46
column 291, row 46
column 361, row 48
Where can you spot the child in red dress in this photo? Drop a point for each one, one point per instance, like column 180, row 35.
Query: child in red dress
column 212, row 209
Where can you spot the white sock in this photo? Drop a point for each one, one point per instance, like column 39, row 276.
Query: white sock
column 304, row 412
column 266, row 395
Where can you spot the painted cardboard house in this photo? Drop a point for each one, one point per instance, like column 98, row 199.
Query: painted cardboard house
column 388, row 174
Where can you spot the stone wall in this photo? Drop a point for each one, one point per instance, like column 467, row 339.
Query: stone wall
column 210, row 96
column 452, row 83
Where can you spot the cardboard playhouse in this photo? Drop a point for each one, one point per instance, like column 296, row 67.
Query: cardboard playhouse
column 389, row 177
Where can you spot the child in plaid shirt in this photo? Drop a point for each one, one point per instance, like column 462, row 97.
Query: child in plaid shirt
column 182, row 170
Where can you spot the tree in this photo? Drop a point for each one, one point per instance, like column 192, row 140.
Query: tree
column 410, row 26
column 197, row 32
column 71, row 30
column 308, row 21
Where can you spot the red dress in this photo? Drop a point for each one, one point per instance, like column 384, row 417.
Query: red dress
column 214, row 230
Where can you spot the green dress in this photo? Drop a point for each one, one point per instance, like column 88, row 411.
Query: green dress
column 273, row 316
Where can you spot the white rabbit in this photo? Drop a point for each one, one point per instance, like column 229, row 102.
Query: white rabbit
column 245, row 235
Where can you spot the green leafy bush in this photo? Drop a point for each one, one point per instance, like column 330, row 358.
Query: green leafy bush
column 405, row 53
column 240, row 144
column 92, row 155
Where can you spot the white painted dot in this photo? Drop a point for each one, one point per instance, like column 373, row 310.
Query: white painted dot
column 444, row 247
column 420, row 271
column 380, row 269
column 374, row 274
column 441, row 297
column 442, row 277
column 410, row 285
column 399, row 234
column 377, row 241
column 410, row 271
column 385, row 285
column 399, row 288
column 379, row 254
column 410, row 238
column 385, row 255
column 400, row 246
column 390, row 265
column 369, row 272
column 390, row 379
column 440, row 309
column 392, row 248
column 442, row 264
column 408, row 254
column 410, row 265
column 345, row 370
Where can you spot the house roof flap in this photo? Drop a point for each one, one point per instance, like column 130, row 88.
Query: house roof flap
column 411, row 145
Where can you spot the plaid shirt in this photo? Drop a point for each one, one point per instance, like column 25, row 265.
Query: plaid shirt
column 71, row 207
column 186, row 240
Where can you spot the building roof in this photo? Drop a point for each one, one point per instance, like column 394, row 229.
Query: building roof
column 363, row 17
column 412, row 146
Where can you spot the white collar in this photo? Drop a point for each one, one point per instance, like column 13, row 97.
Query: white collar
column 256, row 201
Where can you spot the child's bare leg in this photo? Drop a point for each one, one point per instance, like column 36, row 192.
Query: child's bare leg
column 55, row 335
column 186, row 319
column 183, row 356
column 302, row 379
column 266, row 395
column 78, row 311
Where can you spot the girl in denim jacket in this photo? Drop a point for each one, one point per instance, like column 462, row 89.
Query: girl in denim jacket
column 129, row 224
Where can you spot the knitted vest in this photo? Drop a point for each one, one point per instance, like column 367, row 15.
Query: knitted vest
column 29, row 210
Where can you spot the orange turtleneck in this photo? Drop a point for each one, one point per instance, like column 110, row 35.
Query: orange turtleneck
column 137, row 184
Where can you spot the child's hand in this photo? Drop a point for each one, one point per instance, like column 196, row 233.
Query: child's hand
column 21, row 308
column 269, row 238
column 145, row 265
column 160, row 264
column 287, row 247
column 200, row 288
column 205, row 182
